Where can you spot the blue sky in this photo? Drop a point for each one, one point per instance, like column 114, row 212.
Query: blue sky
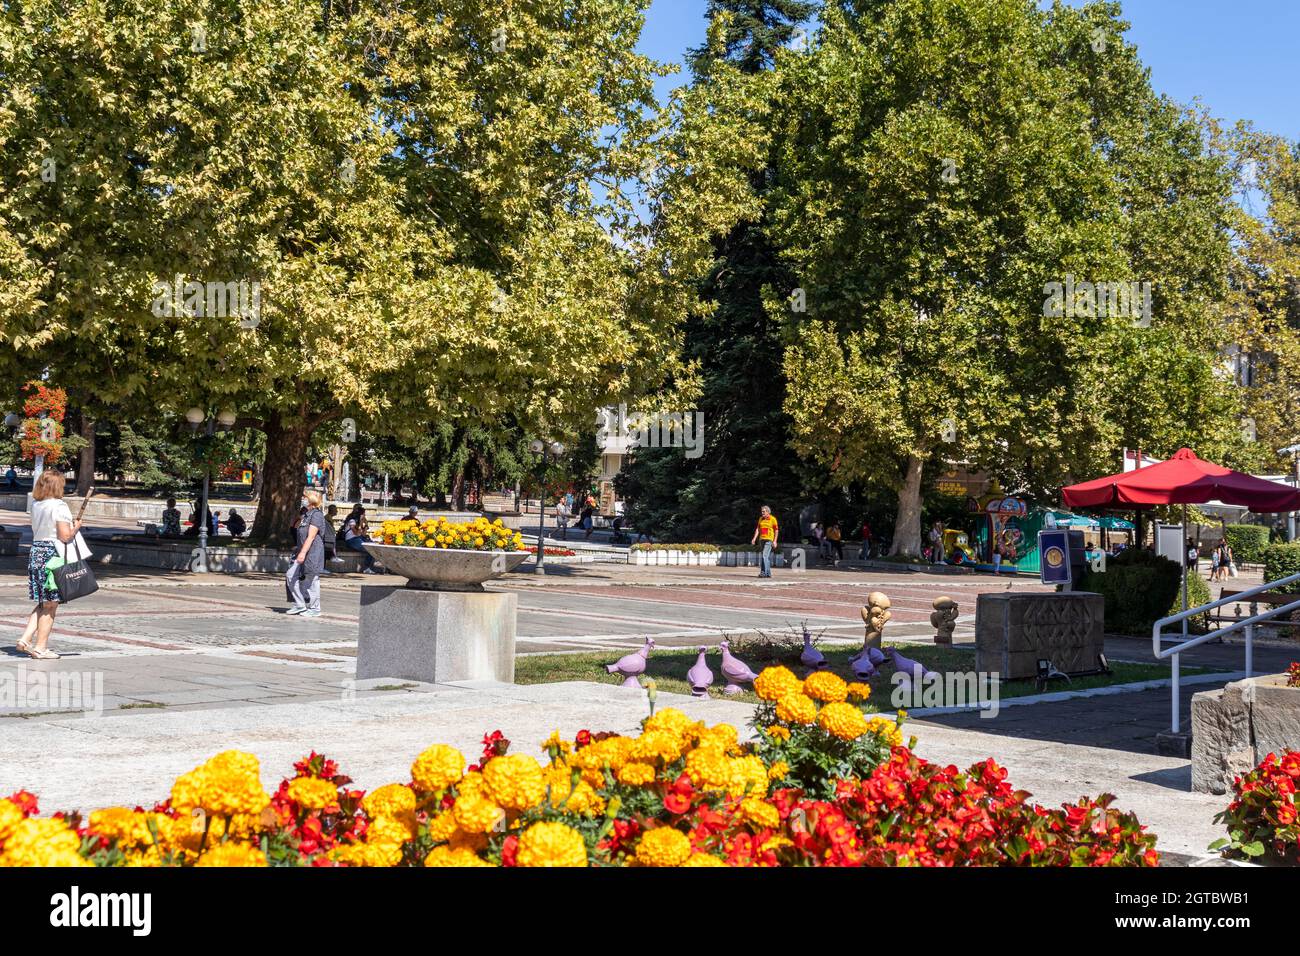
column 1239, row 57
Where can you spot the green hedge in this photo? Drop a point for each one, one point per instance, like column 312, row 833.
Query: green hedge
column 1140, row 588
column 1247, row 541
column 1281, row 560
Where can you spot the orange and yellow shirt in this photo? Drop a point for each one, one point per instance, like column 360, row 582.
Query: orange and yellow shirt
column 767, row 528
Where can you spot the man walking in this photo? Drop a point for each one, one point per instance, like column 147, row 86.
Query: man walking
column 768, row 532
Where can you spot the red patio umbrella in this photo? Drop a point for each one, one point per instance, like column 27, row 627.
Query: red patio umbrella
column 1182, row 480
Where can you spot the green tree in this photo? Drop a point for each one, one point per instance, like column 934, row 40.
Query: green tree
column 733, row 342
column 940, row 163
column 435, row 199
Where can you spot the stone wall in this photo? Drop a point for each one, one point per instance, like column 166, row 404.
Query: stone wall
column 1014, row 631
column 1235, row 727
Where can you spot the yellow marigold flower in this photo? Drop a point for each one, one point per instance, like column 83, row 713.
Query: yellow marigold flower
column 227, row 784
column 391, row 829
column 779, row 732
column 703, row 859
column 826, row 687
column 746, row 776
column 551, row 844
column 859, row 691
column 580, row 799
column 390, row 800
column 775, row 683
column 886, row 729
column 558, row 744
column 722, row 738
column 42, row 841
column 232, row 854
column 515, row 781
column 313, row 793
column 796, row 708
column 472, row 782
column 708, row 769
column 119, row 823
column 476, row 814
column 634, row 774
column 147, row 857
column 10, row 817
column 657, row 744
column 842, row 720
column 663, row 846
column 760, row 813
column 442, row 827
column 368, row 854
column 438, row 768
column 778, row 771
column 669, row 720
column 446, row 856
column 775, row 843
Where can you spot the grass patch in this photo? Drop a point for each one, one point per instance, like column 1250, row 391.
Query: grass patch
column 668, row 667
column 146, row 704
column 399, row 686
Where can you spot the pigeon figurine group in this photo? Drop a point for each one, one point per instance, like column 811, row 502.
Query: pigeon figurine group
column 866, row 663
column 736, row 672
column 631, row 666
column 700, row 677
column 811, row 658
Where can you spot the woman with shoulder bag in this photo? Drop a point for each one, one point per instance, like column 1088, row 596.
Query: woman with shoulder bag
column 52, row 526
column 303, row 576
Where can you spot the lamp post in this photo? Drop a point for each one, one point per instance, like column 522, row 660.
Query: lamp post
column 544, row 451
column 224, row 421
column 1294, row 478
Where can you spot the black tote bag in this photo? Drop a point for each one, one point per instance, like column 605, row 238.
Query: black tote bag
column 75, row 579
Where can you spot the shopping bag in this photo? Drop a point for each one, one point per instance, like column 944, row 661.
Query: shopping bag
column 74, row 579
column 1232, row 569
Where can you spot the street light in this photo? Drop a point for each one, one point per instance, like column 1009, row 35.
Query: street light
column 1294, row 478
column 543, row 450
column 224, row 421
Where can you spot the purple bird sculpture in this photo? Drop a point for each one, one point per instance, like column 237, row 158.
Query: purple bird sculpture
column 736, row 671
column 699, row 676
column 862, row 666
column 811, row 658
column 632, row 666
column 914, row 670
column 875, row 656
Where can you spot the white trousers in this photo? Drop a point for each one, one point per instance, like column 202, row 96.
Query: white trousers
column 306, row 598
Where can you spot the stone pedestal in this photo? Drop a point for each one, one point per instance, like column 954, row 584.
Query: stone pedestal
column 1234, row 728
column 1014, row 631
column 436, row 636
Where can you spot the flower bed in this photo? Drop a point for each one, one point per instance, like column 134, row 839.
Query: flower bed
column 477, row 535
column 1263, row 819
column 824, row 784
column 553, row 552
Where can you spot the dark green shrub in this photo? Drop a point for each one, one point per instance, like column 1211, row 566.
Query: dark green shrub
column 1247, row 541
column 1140, row 588
column 1280, row 561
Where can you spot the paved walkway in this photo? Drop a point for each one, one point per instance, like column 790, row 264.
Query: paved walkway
column 176, row 666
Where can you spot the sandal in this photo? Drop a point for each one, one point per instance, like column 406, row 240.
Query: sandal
column 43, row 654
column 23, row 646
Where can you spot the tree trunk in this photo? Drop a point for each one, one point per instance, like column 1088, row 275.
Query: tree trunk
column 458, row 492
column 907, row 526
column 282, row 480
column 86, row 457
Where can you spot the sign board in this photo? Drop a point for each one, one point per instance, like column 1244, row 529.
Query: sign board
column 607, row 498
column 1170, row 542
column 1054, row 556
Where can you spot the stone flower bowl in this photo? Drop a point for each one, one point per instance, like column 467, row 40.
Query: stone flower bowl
column 445, row 569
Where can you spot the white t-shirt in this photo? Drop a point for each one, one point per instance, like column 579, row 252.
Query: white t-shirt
column 45, row 516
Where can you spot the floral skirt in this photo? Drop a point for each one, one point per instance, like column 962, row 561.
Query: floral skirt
column 41, row 552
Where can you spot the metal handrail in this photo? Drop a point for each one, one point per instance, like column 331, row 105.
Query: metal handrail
column 1246, row 623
